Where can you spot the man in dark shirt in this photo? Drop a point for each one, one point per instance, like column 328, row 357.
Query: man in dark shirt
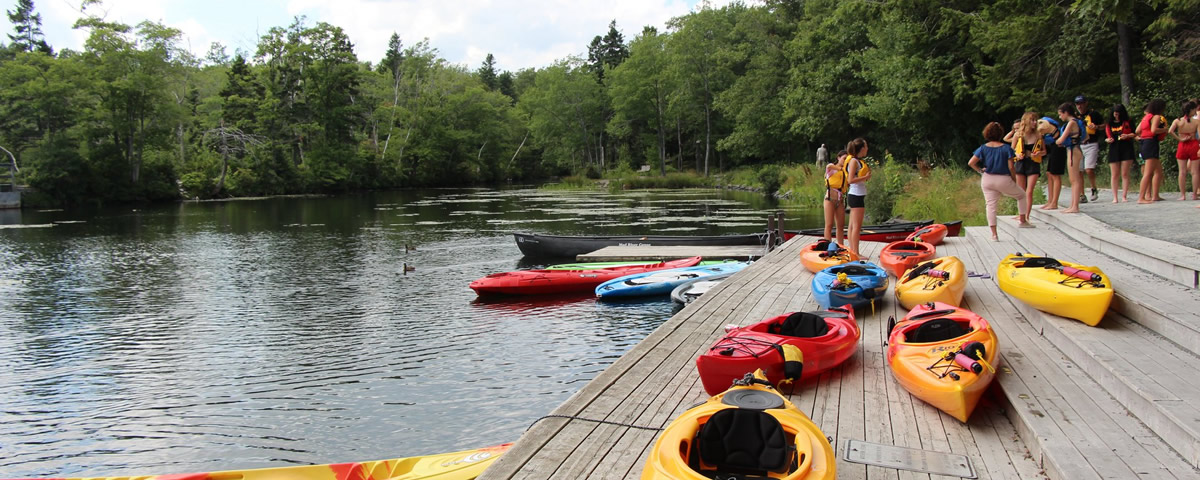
column 1091, row 148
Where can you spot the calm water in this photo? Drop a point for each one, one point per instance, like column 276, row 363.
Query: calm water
column 257, row 333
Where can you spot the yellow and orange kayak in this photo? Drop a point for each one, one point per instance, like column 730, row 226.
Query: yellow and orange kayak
column 1056, row 286
column 942, row 279
column 943, row 355
column 825, row 254
column 464, row 465
column 748, row 428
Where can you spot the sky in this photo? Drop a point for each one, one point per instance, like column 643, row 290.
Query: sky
column 521, row 34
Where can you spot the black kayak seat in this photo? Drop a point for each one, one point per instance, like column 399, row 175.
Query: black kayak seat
column 906, row 254
column 744, row 441
column 1039, row 262
column 802, row 324
column 853, row 270
column 936, row 330
column 822, row 245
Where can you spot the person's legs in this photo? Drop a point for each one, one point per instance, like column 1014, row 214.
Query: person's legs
column 1091, row 155
column 839, row 219
column 1183, row 173
column 1194, row 167
column 1114, row 172
column 855, row 228
column 1126, row 173
column 1159, row 176
column 991, row 197
column 827, row 205
column 1030, row 185
column 1145, row 187
column 1074, row 157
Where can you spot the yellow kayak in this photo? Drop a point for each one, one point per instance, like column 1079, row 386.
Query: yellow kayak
column 1055, row 286
column 748, row 431
column 942, row 279
column 463, row 465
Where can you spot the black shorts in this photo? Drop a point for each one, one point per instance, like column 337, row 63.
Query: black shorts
column 1056, row 160
column 856, row 201
column 1149, row 147
column 1027, row 167
column 1121, row 151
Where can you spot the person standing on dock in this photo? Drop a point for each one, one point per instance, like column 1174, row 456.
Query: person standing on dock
column 1091, row 147
column 995, row 161
column 1071, row 136
column 822, row 156
column 857, row 172
column 835, row 201
column 1151, row 130
column 1184, row 129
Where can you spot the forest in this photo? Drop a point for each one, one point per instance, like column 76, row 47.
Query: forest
column 134, row 116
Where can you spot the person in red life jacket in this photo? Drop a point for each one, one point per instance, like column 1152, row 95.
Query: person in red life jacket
column 1070, row 136
column 1187, row 155
column 1092, row 121
column 1151, row 130
column 1122, row 153
column 1030, row 147
column 995, row 160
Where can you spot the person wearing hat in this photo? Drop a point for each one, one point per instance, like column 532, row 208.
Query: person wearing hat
column 1093, row 121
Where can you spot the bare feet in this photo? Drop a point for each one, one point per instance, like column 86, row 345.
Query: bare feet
column 1051, row 207
column 1159, row 198
column 1071, row 210
column 1142, row 201
column 1115, row 200
column 1183, row 196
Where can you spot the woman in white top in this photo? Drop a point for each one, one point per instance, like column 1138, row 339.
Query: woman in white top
column 859, row 173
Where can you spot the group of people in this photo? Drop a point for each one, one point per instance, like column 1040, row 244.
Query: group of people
column 1011, row 163
column 846, row 186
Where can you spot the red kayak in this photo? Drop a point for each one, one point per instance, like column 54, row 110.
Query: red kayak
column 538, row 282
column 897, row 257
column 825, row 339
column 933, row 234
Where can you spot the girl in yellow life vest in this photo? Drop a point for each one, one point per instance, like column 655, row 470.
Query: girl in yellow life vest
column 1030, row 147
column 856, row 196
column 834, row 206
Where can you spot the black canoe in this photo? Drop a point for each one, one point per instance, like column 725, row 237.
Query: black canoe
column 888, row 232
column 562, row 246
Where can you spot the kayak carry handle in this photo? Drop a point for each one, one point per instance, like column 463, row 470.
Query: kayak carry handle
column 968, row 363
column 1079, row 273
column 942, row 274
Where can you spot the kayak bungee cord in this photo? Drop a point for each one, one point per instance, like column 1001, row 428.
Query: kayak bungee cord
column 605, row 422
column 741, row 345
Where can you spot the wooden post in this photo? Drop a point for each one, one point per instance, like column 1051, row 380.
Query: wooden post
column 780, row 237
column 770, row 232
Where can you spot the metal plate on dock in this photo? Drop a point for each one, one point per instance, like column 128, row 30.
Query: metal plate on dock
column 903, row 458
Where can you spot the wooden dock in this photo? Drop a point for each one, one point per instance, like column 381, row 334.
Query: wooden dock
column 1069, row 401
column 664, row 253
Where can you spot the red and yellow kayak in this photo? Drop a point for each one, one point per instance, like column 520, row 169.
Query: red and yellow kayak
column 464, row 465
column 824, row 254
column 538, row 282
column 942, row 280
column 825, row 340
column 748, row 428
column 943, row 355
column 931, row 234
column 896, row 257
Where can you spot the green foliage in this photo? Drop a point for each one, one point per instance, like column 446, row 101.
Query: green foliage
column 805, row 183
column 770, row 177
column 889, row 180
column 948, row 193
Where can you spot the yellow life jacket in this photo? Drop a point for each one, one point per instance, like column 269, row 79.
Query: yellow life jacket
column 1091, row 127
column 1039, row 148
column 840, row 179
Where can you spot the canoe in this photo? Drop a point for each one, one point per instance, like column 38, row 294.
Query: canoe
column 661, row 282
column 749, row 431
column 824, row 254
column 931, row 234
column 943, row 355
column 825, row 339
column 942, row 279
column 863, row 282
column 898, row 256
column 538, row 282
column 463, row 465
column 887, row 232
column 1056, row 286
column 561, row 246
column 692, row 289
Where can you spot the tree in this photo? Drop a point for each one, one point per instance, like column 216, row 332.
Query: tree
column 28, row 28
column 694, row 45
column 487, row 73
column 394, row 56
column 607, row 51
column 638, row 90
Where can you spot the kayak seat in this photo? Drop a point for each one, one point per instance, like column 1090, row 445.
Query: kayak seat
column 743, row 441
column 936, row 330
column 1039, row 262
column 801, row 324
column 854, row 270
column 822, row 245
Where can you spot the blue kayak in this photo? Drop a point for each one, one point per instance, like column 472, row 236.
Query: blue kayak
column 661, row 282
column 863, row 282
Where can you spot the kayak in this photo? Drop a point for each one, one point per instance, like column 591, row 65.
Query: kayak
column 942, row 279
column 824, row 254
column 943, row 355
column 853, row 283
column 931, row 234
column 595, row 265
column 692, row 289
column 561, row 246
column 748, row 428
column 463, row 465
column 537, row 282
column 661, row 282
column 902, row 255
column 825, row 340
column 1055, row 286
column 884, row 233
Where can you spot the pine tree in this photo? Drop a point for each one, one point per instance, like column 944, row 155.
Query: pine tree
column 28, row 27
column 394, row 56
column 487, row 73
column 607, row 51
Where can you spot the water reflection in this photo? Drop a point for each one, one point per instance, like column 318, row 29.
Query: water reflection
column 246, row 334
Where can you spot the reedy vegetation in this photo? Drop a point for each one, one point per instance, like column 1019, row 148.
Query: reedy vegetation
column 136, row 117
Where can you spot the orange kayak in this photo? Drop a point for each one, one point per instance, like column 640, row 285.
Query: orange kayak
column 825, row 254
column 931, row 234
column 896, row 257
column 943, row 355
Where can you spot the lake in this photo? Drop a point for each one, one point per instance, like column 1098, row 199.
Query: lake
column 256, row 333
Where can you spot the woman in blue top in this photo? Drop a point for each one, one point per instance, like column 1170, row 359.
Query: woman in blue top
column 994, row 160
